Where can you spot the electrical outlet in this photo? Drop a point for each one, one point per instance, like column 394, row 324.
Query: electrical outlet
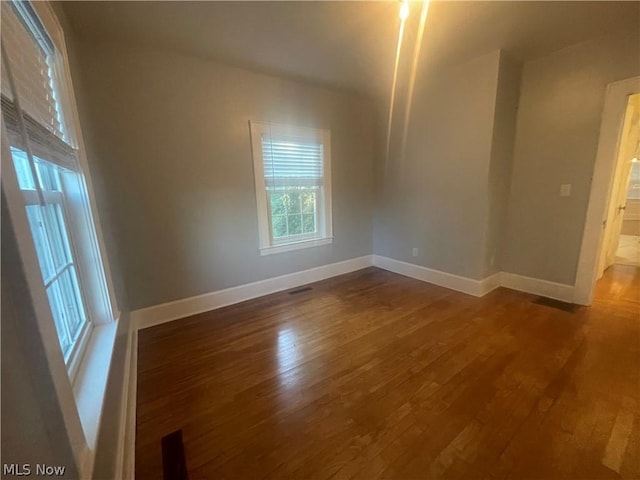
column 414, row 252
column 565, row 190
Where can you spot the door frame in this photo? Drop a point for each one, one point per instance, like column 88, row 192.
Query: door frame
column 616, row 98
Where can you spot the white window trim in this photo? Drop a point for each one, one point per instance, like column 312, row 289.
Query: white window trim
column 267, row 246
column 81, row 399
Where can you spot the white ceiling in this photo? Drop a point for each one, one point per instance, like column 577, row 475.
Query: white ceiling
column 346, row 44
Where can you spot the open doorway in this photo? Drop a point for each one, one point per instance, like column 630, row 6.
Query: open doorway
column 610, row 185
column 621, row 237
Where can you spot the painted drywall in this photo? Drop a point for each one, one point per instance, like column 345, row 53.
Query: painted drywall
column 501, row 161
column 561, row 102
column 172, row 143
column 434, row 196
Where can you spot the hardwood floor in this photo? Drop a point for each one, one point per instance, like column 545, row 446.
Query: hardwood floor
column 374, row 375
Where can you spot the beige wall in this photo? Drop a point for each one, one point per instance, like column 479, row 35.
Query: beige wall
column 561, row 102
column 439, row 196
column 172, row 145
column 499, row 182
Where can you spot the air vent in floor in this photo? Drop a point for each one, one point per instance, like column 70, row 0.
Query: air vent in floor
column 300, row 290
column 557, row 304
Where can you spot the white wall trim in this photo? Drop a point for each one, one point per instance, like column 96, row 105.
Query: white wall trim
column 125, row 457
column 166, row 312
column 490, row 283
column 129, row 459
column 155, row 315
column 477, row 288
column 536, row 286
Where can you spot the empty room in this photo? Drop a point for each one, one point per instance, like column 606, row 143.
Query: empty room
column 320, row 240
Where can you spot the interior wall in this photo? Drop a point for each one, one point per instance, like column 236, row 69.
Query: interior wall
column 501, row 161
column 174, row 150
column 434, row 197
column 561, row 102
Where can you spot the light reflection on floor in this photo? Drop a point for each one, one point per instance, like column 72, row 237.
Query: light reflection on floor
column 288, row 356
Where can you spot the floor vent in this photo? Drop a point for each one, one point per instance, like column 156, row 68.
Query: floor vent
column 300, row 290
column 557, row 304
column 174, row 464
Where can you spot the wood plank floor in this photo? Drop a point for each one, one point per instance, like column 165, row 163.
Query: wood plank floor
column 374, row 375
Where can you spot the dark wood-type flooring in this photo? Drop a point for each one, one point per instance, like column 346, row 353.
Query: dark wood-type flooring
column 375, row 375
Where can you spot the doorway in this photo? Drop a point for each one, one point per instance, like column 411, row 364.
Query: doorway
column 601, row 237
column 621, row 237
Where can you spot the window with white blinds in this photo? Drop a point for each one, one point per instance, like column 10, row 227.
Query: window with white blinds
column 293, row 186
column 50, row 180
column 34, row 64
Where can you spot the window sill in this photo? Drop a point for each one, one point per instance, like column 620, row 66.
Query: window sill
column 91, row 380
column 287, row 247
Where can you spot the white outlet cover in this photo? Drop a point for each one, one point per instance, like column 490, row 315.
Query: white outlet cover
column 415, row 252
column 565, row 190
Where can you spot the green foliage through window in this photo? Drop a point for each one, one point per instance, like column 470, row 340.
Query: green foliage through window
column 293, row 211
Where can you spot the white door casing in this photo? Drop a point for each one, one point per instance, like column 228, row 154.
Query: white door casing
column 618, row 199
column 616, row 98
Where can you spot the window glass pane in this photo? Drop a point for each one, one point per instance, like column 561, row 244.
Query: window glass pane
column 56, row 233
column 48, row 175
column 37, row 224
column 309, row 223
column 23, row 171
column 295, row 224
column 279, row 226
column 309, row 202
column 277, row 205
column 292, row 202
column 66, row 308
column 57, row 309
column 293, row 211
column 72, row 302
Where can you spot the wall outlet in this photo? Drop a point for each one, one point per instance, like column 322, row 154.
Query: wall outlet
column 414, row 252
column 565, row 190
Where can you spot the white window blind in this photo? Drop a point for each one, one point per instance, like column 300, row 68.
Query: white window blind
column 33, row 61
column 292, row 161
column 31, row 69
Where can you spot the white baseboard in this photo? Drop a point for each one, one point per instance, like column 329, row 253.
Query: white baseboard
column 477, row 288
column 490, row 283
column 166, row 312
column 126, row 455
column 157, row 314
column 536, row 286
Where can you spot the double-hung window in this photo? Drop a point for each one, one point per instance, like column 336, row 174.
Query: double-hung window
column 292, row 167
column 41, row 133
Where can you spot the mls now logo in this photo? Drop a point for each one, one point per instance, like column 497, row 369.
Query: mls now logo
column 25, row 470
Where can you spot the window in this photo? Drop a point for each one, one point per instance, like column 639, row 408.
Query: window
column 51, row 237
column 44, row 150
column 292, row 167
